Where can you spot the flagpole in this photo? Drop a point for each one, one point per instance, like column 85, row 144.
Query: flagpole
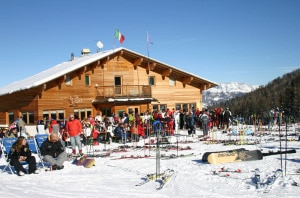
column 147, row 41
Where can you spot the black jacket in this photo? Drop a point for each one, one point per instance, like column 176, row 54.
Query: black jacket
column 52, row 148
column 14, row 154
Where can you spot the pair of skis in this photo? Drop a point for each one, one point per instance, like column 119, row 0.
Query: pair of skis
column 161, row 178
column 226, row 172
column 266, row 185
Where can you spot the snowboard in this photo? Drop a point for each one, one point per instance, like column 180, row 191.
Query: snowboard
column 206, row 154
column 234, row 156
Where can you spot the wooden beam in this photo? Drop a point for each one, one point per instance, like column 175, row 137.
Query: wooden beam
column 166, row 72
column 149, row 67
column 204, row 87
column 137, row 61
column 103, row 62
column 187, row 80
column 208, row 86
column 59, row 81
column 120, row 53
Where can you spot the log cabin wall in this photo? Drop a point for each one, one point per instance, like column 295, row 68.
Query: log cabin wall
column 71, row 92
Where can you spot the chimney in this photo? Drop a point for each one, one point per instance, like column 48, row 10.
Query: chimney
column 72, row 56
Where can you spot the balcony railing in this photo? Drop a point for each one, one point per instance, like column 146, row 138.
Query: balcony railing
column 129, row 91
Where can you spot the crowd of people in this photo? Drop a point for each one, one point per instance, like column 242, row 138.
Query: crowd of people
column 126, row 127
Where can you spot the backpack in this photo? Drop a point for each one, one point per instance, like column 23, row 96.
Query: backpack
column 204, row 119
column 227, row 114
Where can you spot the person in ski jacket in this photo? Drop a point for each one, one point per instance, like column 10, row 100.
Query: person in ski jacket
column 53, row 152
column 74, row 129
column 226, row 117
column 204, row 120
column 120, row 132
column 190, row 123
column 20, row 152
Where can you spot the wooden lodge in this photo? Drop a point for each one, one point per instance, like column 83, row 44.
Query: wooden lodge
column 111, row 81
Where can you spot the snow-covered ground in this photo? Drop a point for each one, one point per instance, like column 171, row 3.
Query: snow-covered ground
column 193, row 178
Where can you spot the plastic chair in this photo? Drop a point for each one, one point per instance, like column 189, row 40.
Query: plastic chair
column 34, row 148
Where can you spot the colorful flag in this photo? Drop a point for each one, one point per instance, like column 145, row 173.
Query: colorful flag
column 119, row 36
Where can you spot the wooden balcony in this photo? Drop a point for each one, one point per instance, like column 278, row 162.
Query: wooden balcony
column 124, row 91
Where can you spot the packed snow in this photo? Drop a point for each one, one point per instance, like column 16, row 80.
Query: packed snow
column 116, row 176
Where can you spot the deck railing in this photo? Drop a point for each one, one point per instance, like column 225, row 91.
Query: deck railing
column 129, row 91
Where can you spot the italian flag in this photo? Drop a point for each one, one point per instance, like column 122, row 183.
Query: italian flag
column 119, row 36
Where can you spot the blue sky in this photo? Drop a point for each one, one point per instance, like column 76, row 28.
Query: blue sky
column 250, row 41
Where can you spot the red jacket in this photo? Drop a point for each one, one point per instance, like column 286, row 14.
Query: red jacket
column 74, row 127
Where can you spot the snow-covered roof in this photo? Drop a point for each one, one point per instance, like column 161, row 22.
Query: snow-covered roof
column 67, row 67
column 54, row 72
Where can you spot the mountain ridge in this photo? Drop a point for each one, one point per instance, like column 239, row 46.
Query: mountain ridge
column 225, row 91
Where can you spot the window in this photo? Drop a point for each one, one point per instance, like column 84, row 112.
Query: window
column 68, row 80
column 28, row 117
column 151, row 80
column 163, row 108
column 11, row 116
column 46, row 115
column 87, row 80
column 61, row 114
column 118, row 83
column 54, row 114
column 82, row 113
column 185, row 107
column 172, row 82
column 106, row 111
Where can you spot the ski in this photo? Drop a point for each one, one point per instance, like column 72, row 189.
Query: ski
column 99, row 155
column 256, row 178
column 131, row 157
column 164, row 179
column 271, row 180
column 151, row 177
column 174, row 156
column 226, row 170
